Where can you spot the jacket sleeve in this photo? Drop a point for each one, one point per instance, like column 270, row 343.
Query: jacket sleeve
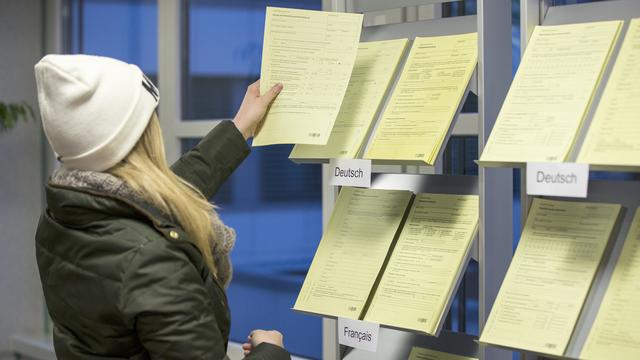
column 211, row 162
column 164, row 299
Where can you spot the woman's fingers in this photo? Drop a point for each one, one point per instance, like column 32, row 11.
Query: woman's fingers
column 254, row 89
column 270, row 95
column 246, row 348
column 253, row 108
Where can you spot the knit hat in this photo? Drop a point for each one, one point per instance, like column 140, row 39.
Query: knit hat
column 94, row 109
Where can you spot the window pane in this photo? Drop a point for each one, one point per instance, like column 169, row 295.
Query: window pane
column 275, row 207
column 224, row 53
column 123, row 29
column 571, row 2
column 282, row 181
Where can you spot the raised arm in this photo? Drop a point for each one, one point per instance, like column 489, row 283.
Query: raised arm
column 219, row 153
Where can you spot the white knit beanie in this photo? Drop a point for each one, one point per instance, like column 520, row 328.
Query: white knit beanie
column 94, row 109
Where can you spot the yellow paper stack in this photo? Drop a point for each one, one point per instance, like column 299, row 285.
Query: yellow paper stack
column 542, row 295
column 431, row 87
column 551, row 93
column 375, row 66
column 427, row 259
column 614, row 132
column 615, row 333
column 373, row 265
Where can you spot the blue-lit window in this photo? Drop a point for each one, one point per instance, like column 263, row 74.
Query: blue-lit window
column 572, row 2
column 224, row 52
column 123, row 29
column 282, row 181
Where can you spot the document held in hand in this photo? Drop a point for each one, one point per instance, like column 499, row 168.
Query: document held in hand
column 312, row 54
column 542, row 295
column 376, row 63
column 431, row 87
column 374, row 265
column 614, row 131
column 551, row 93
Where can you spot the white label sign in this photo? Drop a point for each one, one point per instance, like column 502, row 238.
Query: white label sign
column 358, row 334
column 350, row 172
column 558, row 179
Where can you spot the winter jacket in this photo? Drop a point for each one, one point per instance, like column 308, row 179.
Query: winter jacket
column 121, row 280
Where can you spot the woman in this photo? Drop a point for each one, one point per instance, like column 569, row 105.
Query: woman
column 132, row 257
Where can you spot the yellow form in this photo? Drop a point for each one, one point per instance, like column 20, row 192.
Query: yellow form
column 550, row 275
column 432, row 84
column 312, row 54
column 615, row 333
column 551, row 93
column 375, row 66
column 614, row 132
column 427, row 259
column 352, row 251
column 418, row 353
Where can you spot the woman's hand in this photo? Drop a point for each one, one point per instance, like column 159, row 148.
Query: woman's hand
column 253, row 108
column 257, row 337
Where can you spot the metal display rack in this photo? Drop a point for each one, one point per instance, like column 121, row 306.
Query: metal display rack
column 625, row 191
column 490, row 82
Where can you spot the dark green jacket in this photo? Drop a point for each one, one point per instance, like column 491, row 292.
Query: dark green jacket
column 121, row 281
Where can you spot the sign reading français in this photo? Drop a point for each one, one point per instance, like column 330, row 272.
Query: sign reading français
column 358, row 334
column 350, row 172
column 558, row 179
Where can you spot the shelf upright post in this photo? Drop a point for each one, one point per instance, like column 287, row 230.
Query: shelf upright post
column 496, row 194
column 531, row 15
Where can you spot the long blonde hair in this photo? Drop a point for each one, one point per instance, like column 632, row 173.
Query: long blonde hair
column 145, row 169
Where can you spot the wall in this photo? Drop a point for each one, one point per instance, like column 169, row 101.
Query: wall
column 21, row 306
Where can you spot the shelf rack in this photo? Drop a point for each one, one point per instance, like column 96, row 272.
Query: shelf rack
column 494, row 186
column 624, row 191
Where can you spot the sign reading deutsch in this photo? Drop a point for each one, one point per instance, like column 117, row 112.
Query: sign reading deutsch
column 358, row 334
column 558, row 179
column 350, row 172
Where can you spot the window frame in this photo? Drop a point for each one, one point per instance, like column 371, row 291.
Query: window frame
column 171, row 57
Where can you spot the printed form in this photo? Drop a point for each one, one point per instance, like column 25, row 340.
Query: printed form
column 432, row 85
column 542, row 295
column 420, row 276
column 312, row 54
column 352, row 251
column 615, row 333
column 376, row 63
column 614, row 132
column 551, row 93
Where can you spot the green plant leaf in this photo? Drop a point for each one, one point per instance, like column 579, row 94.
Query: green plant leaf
column 3, row 117
column 11, row 114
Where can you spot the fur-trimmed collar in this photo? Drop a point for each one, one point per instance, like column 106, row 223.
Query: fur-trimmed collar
column 93, row 180
column 112, row 185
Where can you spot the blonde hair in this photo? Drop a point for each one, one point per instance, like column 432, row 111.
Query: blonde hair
column 145, row 169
